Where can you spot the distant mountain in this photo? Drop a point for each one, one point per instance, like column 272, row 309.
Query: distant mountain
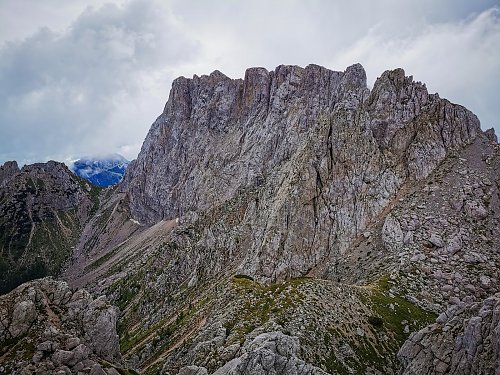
column 101, row 171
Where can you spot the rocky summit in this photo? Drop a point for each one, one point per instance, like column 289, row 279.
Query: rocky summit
column 48, row 328
column 291, row 222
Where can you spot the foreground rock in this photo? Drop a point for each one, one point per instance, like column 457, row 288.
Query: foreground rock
column 464, row 340
column 268, row 353
column 47, row 328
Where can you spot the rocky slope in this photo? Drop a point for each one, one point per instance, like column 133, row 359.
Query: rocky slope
column 464, row 340
column 296, row 221
column 287, row 136
column 43, row 209
column 386, row 199
column 47, row 328
column 412, row 251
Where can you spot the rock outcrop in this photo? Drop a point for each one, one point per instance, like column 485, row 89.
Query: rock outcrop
column 464, row 340
column 48, row 328
column 7, row 171
column 269, row 353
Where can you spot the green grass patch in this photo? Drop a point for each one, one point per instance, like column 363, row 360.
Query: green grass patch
column 384, row 332
column 376, row 321
column 261, row 303
column 394, row 310
column 164, row 332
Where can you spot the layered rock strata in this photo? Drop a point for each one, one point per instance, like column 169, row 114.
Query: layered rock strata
column 324, row 155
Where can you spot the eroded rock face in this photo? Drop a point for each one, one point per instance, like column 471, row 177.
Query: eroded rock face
column 322, row 153
column 464, row 340
column 388, row 198
column 46, row 327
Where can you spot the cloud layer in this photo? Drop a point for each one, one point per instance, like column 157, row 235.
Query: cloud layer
column 77, row 81
column 99, row 84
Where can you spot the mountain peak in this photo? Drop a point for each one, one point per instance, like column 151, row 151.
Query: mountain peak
column 8, row 170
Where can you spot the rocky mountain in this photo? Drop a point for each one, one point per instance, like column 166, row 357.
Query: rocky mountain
column 103, row 171
column 283, row 141
column 43, row 209
column 297, row 222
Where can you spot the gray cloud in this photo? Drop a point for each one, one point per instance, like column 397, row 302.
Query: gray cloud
column 93, row 81
column 452, row 46
column 66, row 94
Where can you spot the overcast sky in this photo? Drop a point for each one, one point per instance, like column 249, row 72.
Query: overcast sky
column 89, row 77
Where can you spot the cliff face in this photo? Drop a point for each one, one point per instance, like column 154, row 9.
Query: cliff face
column 464, row 340
column 386, row 200
column 325, row 155
column 43, row 208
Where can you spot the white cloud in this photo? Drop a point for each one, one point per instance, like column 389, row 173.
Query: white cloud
column 459, row 60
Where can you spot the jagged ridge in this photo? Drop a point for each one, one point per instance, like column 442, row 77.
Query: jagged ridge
column 325, row 154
